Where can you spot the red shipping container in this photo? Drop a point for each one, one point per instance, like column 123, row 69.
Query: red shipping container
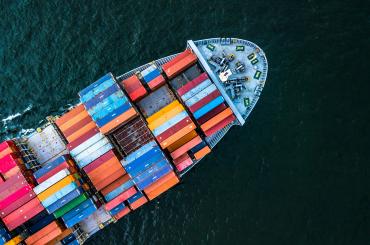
column 220, row 125
column 131, row 84
column 177, row 58
column 41, row 233
column 193, row 83
column 82, row 138
column 175, row 128
column 11, row 185
column 156, row 82
column 187, row 146
column 177, row 67
column 22, row 214
column 105, row 171
column 49, row 237
column 212, row 113
column 184, row 164
column 122, row 213
column 137, row 94
column 69, row 115
column 13, row 197
column 8, row 162
column 18, row 203
column 139, row 202
column 115, row 184
column 52, row 172
column 120, row 198
column 96, row 163
column 6, row 144
column 77, row 126
column 181, row 158
column 110, row 179
column 204, row 101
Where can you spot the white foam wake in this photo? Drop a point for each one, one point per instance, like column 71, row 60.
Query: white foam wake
column 18, row 114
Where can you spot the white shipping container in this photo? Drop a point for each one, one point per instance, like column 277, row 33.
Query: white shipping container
column 94, row 155
column 91, row 149
column 86, row 144
column 157, row 131
column 51, row 181
column 200, row 95
column 196, row 89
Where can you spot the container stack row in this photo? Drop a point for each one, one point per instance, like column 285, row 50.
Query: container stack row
column 152, row 77
column 85, row 142
column 18, row 202
column 134, row 88
column 107, row 104
column 64, row 192
column 51, row 232
column 180, row 63
column 207, row 104
column 147, row 166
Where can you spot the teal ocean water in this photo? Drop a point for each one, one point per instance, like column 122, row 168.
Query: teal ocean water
column 297, row 173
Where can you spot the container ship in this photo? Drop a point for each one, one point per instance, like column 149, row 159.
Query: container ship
column 130, row 138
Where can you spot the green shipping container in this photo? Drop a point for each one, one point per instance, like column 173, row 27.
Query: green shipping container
column 66, row 208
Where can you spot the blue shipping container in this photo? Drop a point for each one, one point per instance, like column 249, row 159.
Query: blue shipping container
column 111, row 99
column 150, row 76
column 107, row 108
column 150, row 171
column 198, row 147
column 111, row 195
column 41, row 224
column 50, row 166
column 137, row 166
column 117, row 112
column 64, row 200
column 80, row 216
column 96, row 91
column 95, row 84
column 76, row 210
column 117, row 209
column 68, row 239
column 139, row 152
column 208, row 107
column 94, row 101
column 154, row 177
column 59, row 194
column 135, row 197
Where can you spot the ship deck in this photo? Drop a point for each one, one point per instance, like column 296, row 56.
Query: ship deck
column 237, row 67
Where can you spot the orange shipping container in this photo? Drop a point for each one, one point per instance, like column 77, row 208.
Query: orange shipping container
column 216, row 119
column 173, row 138
column 183, row 149
column 69, row 115
column 122, row 213
column 52, row 235
column 41, row 233
column 118, row 121
column 81, row 131
column 73, row 121
column 109, row 179
column 180, row 65
column 115, row 184
column 182, row 141
column 105, row 170
column 138, row 203
column 199, row 154
column 56, row 187
column 161, row 185
column 64, row 234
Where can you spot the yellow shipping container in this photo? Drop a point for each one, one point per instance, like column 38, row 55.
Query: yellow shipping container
column 166, row 116
column 56, row 187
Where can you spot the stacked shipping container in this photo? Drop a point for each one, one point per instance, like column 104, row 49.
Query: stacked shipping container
column 86, row 143
column 18, row 203
column 181, row 62
column 134, row 88
column 147, row 166
column 107, row 104
column 152, row 76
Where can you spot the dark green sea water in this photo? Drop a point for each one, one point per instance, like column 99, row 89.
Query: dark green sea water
column 297, row 173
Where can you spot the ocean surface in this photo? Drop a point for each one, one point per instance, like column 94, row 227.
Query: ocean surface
column 298, row 172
